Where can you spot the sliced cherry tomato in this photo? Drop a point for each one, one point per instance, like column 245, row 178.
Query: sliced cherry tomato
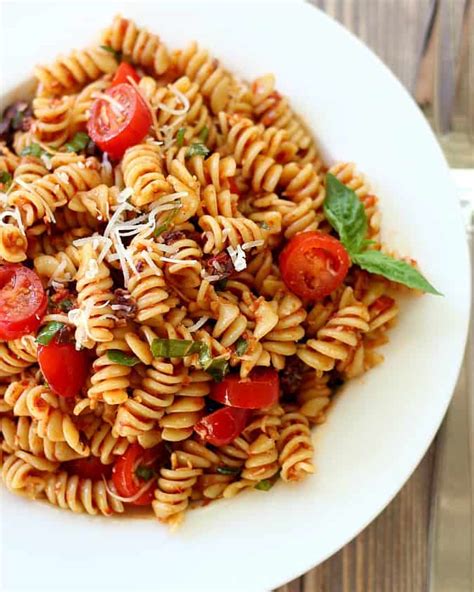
column 313, row 264
column 223, row 426
column 261, row 389
column 123, row 122
column 64, row 367
column 127, row 469
column 89, row 468
column 124, row 71
column 23, row 301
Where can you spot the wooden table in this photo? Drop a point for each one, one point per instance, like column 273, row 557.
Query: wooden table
column 391, row 554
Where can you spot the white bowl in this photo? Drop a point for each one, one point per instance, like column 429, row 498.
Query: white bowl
column 381, row 426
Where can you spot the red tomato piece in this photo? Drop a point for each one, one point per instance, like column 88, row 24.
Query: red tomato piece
column 124, row 475
column 88, row 468
column 64, row 367
column 223, row 426
column 313, row 265
column 23, row 301
column 124, row 71
column 122, row 122
column 261, row 389
column 382, row 304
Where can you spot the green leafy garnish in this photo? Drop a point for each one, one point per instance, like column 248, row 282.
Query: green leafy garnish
column 169, row 218
column 264, row 226
column 117, row 54
column 66, row 305
column 197, row 149
column 180, row 136
column 174, row 348
column 218, row 368
column 228, row 470
column 47, row 332
column 145, row 473
column 347, row 216
column 119, row 357
column 393, row 269
column 33, row 149
column 205, row 357
column 204, row 134
column 6, row 179
column 221, row 284
column 78, row 142
column 241, row 346
column 264, row 485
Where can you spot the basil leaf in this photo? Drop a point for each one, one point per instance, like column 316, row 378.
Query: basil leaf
column 345, row 213
column 218, row 368
column 175, row 348
column 119, row 357
column 204, row 134
column 393, row 269
column 47, row 332
column 197, row 149
column 221, row 284
column 228, row 470
column 6, row 179
column 33, row 149
column 66, row 305
column 78, row 142
column 264, row 485
column 180, row 136
column 241, row 346
column 117, row 54
column 145, row 473
column 162, row 227
column 205, row 357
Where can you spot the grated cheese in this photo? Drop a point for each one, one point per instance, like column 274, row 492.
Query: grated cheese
column 63, row 176
column 106, row 166
column 167, row 248
column 92, row 269
column 251, row 244
column 46, row 161
column 15, row 214
column 198, row 324
column 147, row 257
column 184, row 261
column 238, row 258
column 182, row 98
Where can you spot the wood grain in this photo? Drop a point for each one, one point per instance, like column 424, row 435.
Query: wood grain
column 391, row 554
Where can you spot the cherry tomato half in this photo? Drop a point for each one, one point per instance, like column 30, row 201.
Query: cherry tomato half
column 223, row 426
column 23, row 301
column 123, row 122
column 124, row 71
column 64, row 367
column 124, row 473
column 261, row 389
column 313, row 265
column 88, row 468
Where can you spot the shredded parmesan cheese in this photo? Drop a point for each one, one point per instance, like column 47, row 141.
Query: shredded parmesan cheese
column 184, row 261
column 238, row 258
column 198, row 324
column 46, row 161
column 132, row 498
column 252, row 244
column 182, row 98
column 106, row 166
column 63, row 176
column 15, row 214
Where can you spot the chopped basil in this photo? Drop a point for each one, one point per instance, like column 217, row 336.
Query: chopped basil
column 6, row 179
column 218, row 368
column 180, row 136
column 228, row 470
column 47, row 332
column 78, row 142
column 221, row 284
column 204, row 134
column 66, row 305
column 346, row 214
column 264, row 485
column 197, row 149
column 33, row 149
column 174, row 348
column 117, row 54
column 241, row 346
column 119, row 357
column 145, row 473
column 205, row 357
column 163, row 227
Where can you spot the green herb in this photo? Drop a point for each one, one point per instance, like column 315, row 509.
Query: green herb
column 163, row 227
column 228, row 470
column 174, row 348
column 6, row 179
column 264, row 226
column 204, row 134
column 117, row 356
column 33, row 149
column 347, row 216
column 117, row 54
column 221, row 284
column 205, row 357
column 197, row 149
column 264, row 485
column 145, row 473
column 241, row 346
column 218, row 368
column 393, row 269
column 47, row 332
column 78, row 143
column 66, row 305
column 180, row 136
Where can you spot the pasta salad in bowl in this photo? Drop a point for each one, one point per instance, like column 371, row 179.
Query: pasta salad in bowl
column 186, row 282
